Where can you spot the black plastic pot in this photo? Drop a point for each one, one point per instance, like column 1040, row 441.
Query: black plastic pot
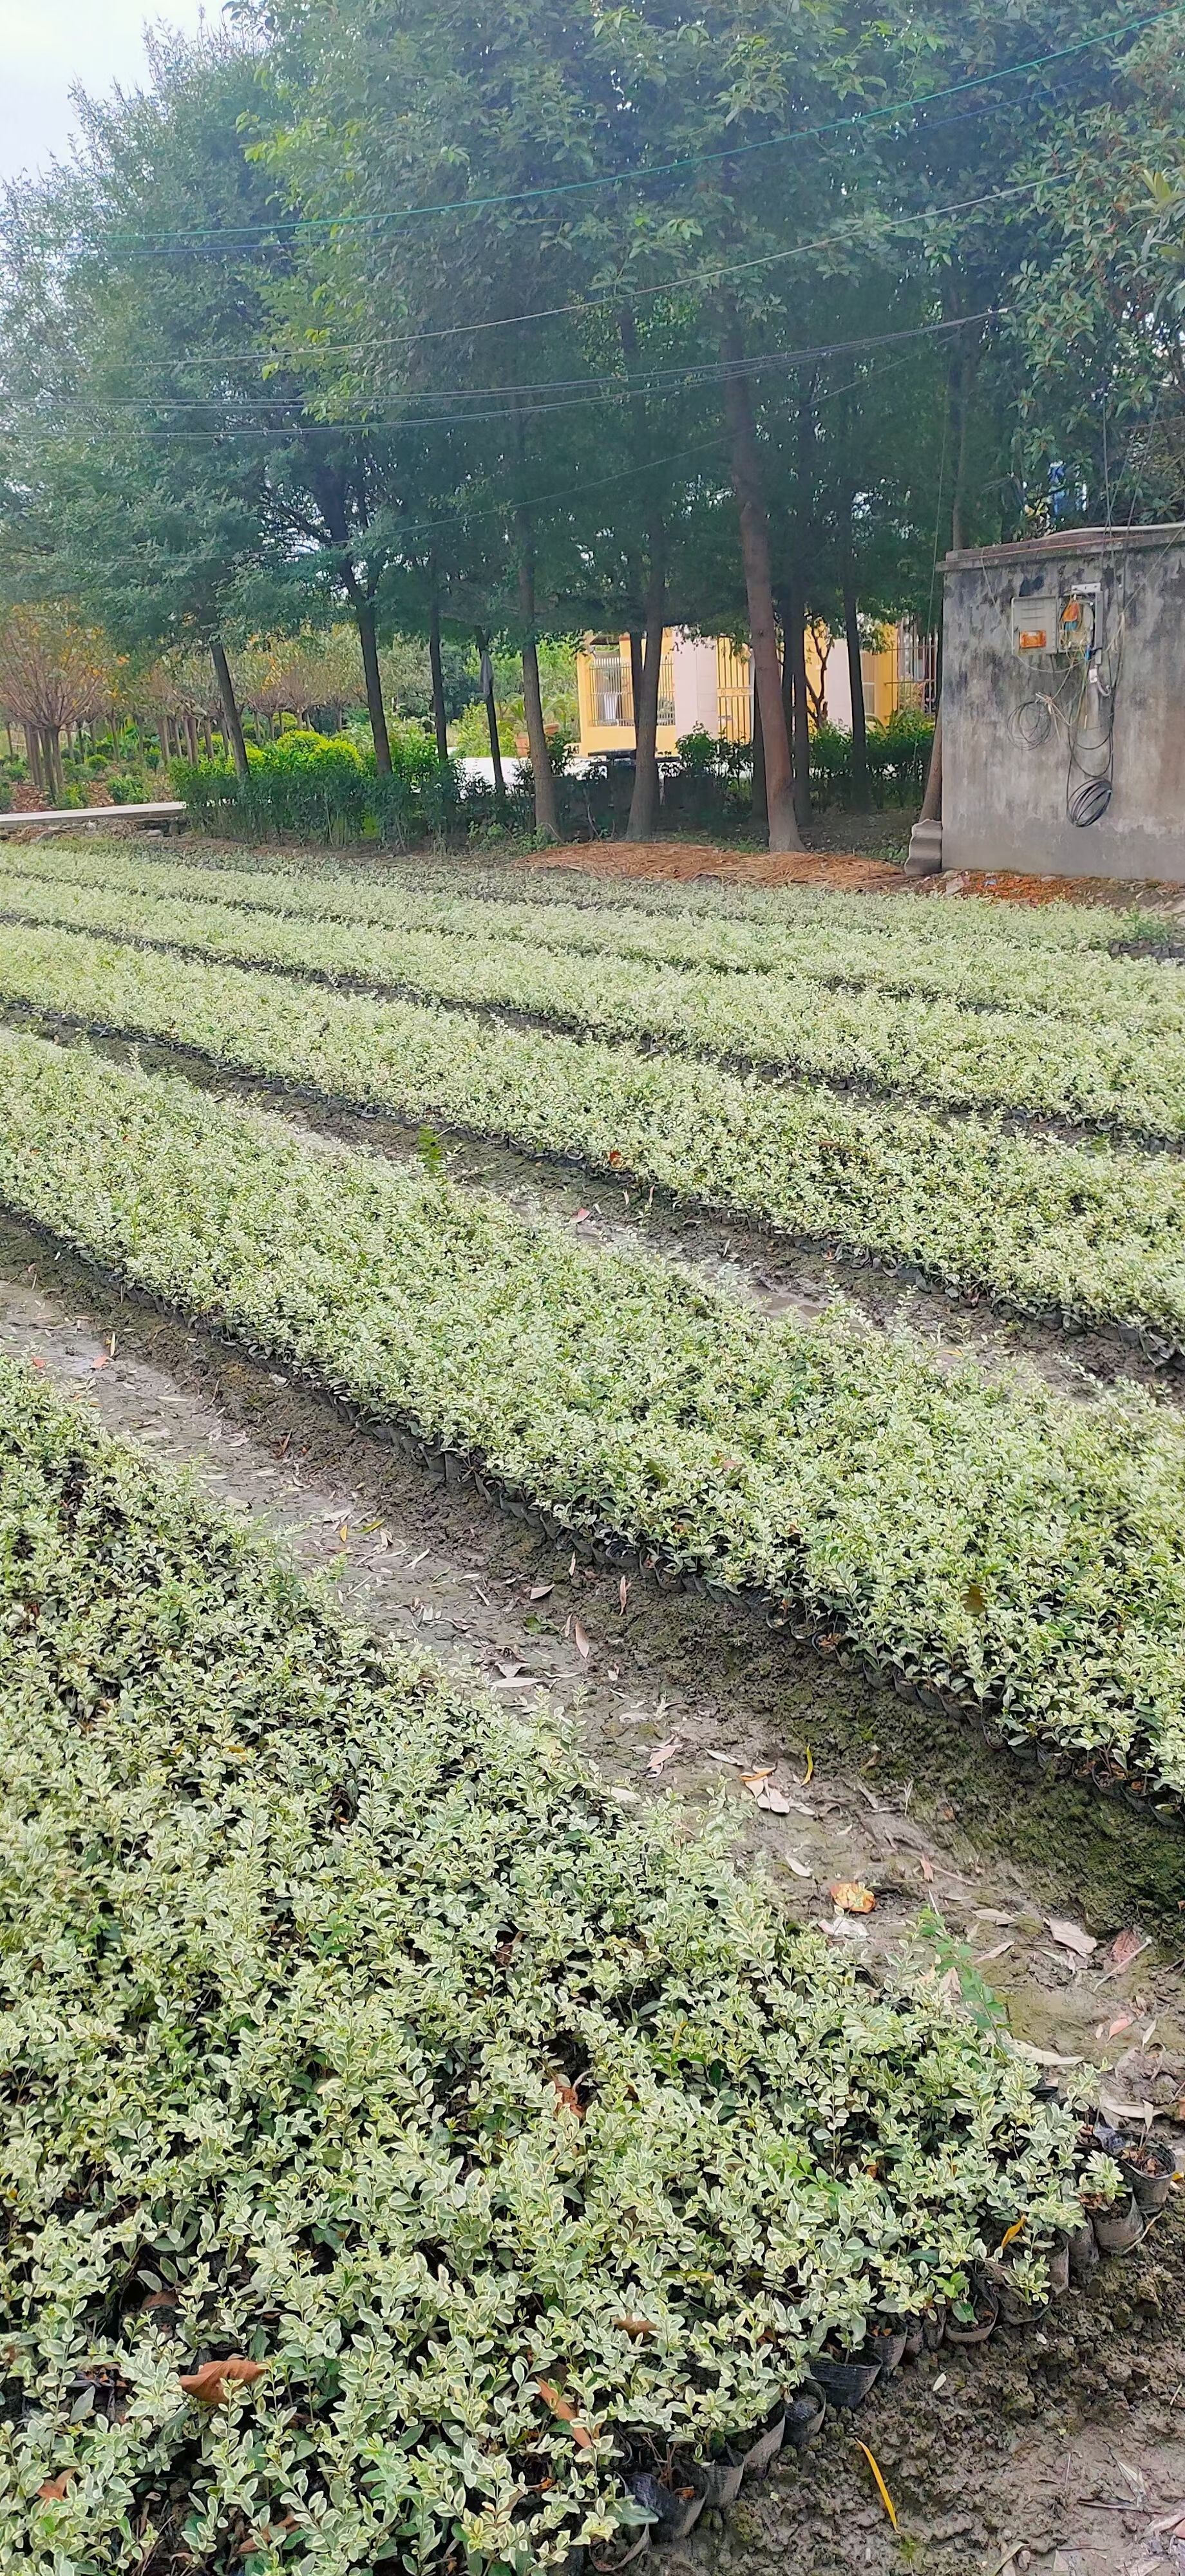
column 1120, row 2227
column 982, row 2324
column 632, row 2546
column 722, row 2476
column 847, row 2382
column 1082, row 2253
column 806, row 2407
column 887, row 2341
column 1013, row 2309
column 915, row 2336
column 676, row 2508
column 763, row 2451
column 934, row 2326
column 1149, row 2188
column 1057, row 2257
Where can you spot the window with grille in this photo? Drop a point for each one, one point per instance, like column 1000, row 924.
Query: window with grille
column 612, row 694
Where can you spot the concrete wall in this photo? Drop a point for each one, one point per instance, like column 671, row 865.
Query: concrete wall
column 1004, row 794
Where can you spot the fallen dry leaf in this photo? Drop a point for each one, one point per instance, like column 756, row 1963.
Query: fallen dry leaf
column 799, row 1867
column 984, row 1957
column 809, row 1772
column 567, row 2414
column 850, row 1897
column 1123, row 2113
column 881, row 2488
column 103, row 1361
column 1123, row 2021
column 581, row 1639
column 208, row 2384
column 508, row 1666
column 635, row 2326
column 1125, row 1947
column 55, row 2489
column 1010, row 2234
column 1042, row 2056
column 664, row 1753
column 927, row 1869
column 567, row 2097
column 1070, row 1936
column 760, row 1787
column 623, row 1591
column 540, row 1591
column 581, row 1217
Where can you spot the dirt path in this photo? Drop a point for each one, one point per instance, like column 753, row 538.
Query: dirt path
column 1016, row 2444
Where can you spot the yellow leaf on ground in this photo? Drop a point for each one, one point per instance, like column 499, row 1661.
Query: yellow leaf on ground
column 882, row 2490
column 850, row 1897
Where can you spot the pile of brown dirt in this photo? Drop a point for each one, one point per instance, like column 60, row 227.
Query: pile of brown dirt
column 683, row 860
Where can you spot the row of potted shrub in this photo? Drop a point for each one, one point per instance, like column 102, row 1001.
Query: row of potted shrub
column 981, row 956
column 1088, row 1233
column 1104, row 1073
column 412, row 2151
column 1012, row 1554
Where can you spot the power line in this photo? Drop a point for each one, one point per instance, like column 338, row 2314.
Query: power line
column 664, row 169
column 569, row 495
column 578, row 392
column 876, row 226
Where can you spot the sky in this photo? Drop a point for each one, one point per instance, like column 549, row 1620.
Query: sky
column 48, row 45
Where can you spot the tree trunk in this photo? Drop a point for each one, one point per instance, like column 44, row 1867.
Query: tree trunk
column 636, row 660
column 643, row 814
column 960, row 383
column 851, row 627
column 364, row 617
column 795, row 654
column 191, row 736
column 755, row 556
column 487, row 691
column 932, row 800
column 542, row 773
column 439, row 712
column 231, row 719
column 758, row 806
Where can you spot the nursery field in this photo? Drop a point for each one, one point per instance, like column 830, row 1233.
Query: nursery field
column 428, row 2148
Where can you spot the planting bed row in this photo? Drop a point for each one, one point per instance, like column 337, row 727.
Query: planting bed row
column 1095, row 1233
column 409, row 2155
column 976, row 955
column 992, row 1545
column 1108, row 1075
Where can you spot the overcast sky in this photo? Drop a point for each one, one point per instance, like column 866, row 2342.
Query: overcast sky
column 48, row 45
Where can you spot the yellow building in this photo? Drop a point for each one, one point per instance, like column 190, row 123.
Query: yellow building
column 706, row 682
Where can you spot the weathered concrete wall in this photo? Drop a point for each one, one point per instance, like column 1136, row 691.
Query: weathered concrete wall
column 1004, row 798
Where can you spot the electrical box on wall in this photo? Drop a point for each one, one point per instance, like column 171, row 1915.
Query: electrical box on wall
column 1035, row 628
column 1051, row 627
column 1077, row 619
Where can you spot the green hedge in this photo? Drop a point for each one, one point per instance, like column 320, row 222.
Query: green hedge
column 1001, row 1546
column 320, row 787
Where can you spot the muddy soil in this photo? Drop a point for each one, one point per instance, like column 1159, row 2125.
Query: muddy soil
column 1064, row 2440
column 766, row 1270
